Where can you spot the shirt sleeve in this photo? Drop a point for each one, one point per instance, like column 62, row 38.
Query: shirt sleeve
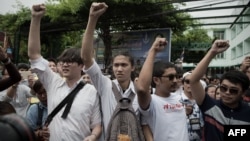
column 96, row 115
column 98, row 79
column 207, row 103
column 41, row 67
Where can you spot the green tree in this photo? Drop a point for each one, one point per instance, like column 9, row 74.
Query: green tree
column 65, row 19
column 195, row 42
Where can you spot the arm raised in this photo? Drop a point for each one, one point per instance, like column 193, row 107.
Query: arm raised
column 198, row 91
column 96, row 10
column 34, row 45
column 144, row 81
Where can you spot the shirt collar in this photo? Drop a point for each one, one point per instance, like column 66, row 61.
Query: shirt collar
column 130, row 88
column 64, row 83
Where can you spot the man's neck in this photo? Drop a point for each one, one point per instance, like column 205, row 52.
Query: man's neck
column 124, row 85
column 162, row 94
column 72, row 82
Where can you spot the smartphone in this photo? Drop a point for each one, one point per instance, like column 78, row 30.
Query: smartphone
column 25, row 74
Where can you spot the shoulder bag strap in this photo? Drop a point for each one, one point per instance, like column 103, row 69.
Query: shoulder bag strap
column 67, row 100
column 40, row 116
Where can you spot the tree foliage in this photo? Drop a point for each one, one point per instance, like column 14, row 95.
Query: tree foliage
column 65, row 20
column 195, row 42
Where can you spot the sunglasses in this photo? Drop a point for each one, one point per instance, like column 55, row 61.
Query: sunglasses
column 171, row 76
column 233, row 91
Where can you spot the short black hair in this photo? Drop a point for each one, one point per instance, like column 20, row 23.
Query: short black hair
column 23, row 66
column 236, row 77
column 159, row 69
column 71, row 55
column 52, row 60
column 37, row 86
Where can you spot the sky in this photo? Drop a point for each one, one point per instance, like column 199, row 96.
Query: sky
column 9, row 6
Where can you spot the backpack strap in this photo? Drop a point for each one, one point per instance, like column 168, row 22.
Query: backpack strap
column 118, row 96
column 124, row 116
column 67, row 100
column 116, row 92
column 40, row 116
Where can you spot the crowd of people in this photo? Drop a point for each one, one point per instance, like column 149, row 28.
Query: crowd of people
column 77, row 101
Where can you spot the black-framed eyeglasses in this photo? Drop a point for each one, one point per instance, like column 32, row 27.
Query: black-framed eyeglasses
column 171, row 76
column 233, row 91
column 69, row 63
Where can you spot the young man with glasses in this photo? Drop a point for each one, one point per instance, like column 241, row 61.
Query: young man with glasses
column 162, row 111
column 230, row 110
column 84, row 119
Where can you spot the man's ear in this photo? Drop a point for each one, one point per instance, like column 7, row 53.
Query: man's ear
column 156, row 80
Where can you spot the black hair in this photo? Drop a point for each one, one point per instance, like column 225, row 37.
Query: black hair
column 37, row 86
column 126, row 54
column 236, row 77
column 159, row 69
column 23, row 66
column 71, row 55
column 52, row 60
column 131, row 60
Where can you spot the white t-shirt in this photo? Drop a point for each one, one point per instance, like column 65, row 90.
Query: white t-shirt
column 84, row 114
column 167, row 118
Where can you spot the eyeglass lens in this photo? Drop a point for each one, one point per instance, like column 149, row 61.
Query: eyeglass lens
column 231, row 90
column 171, row 76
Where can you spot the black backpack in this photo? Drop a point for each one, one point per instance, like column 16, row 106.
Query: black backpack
column 124, row 124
